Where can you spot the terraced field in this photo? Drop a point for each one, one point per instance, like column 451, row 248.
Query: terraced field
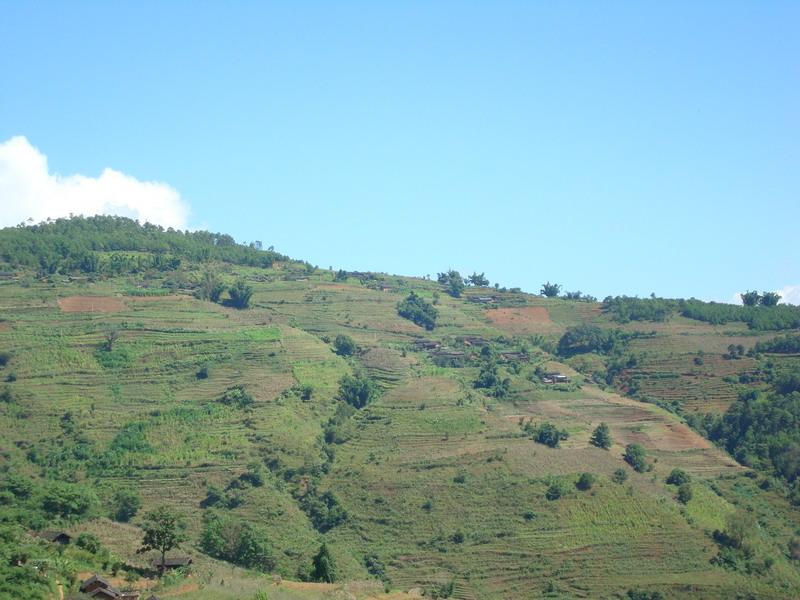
column 438, row 480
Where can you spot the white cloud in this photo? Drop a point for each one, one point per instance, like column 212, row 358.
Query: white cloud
column 29, row 190
column 790, row 294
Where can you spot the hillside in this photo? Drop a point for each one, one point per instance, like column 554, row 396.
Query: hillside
column 125, row 379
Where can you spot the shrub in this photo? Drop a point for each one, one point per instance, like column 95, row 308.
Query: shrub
column 619, row 476
column 678, row 477
column 5, row 357
column 236, row 396
column 88, row 542
column 635, row 456
column 323, row 567
column 125, row 503
column 203, row 372
column 453, row 282
column 344, row 345
column 357, row 391
column 555, row 491
column 585, row 482
column 238, row 542
column 418, row 311
column 684, row 493
column 546, row 433
column 68, row 501
column 550, row 290
column 240, row 294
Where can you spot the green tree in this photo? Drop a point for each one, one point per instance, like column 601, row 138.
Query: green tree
column 750, row 298
column 323, row 566
column 636, row 456
column 417, row 310
column 601, row 437
column 453, row 282
column 678, row 477
column 551, row 290
column 478, row 279
column 88, row 542
column 125, row 503
column 585, row 481
column 210, row 287
column 684, row 493
column 68, row 500
column 770, row 299
column 163, row 530
column 110, row 335
column 357, row 391
column 344, row 345
column 240, row 294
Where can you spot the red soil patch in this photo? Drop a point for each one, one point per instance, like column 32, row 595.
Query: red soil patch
column 98, row 304
column 526, row 319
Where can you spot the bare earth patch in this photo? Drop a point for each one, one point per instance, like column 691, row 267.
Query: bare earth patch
column 98, row 304
column 525, row 319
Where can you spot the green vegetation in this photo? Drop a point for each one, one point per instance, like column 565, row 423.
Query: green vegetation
column 240, row 294
column 357, row 391
column 417, row 310
column 601, row 437
column 453, row 282
column 550, row 290
column 636, row 457
column 163, row 530
column 344, row 345
column 410, row 458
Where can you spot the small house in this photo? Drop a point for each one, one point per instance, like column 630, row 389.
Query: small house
column 97, row 587
column 555, row 378
column 56, row 537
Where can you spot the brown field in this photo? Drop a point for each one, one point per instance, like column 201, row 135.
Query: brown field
column 98, row 304
column 526, row 319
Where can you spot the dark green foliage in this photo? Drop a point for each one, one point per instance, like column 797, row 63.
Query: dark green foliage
column 125, row 503
column 417, row 310
column 77, row 244
column 457, row 537
column 787, row 344
column 545, row 433
column 641, row 595
column 678, row 477
column 5, row 357
column 590, row 338
column 601, row 437
column 763, row 318
column 6, row 396
column 619, row 476
column 240, row 294
column 490, row 380
column 636, row 457
column 770, row 299
column 624, row 308
column 336, row 428
column 341, row 275
column 323, row 510
column 164, row 529
column 344, row 345
column 323, row 566
column 88, row 542
column 237, row 396
column 750, row 298
column 763, row 430
column 453, row 282
column 442, row 590
column 357, row 391
column 203, row 372
column 68, row 501
column 210, row 287
column 551, row 290
column 375, row 567
column 227, row 538
column 555, row 490
column 684, row 493
column 585, row 481
column 478, row 280
column 579, row 296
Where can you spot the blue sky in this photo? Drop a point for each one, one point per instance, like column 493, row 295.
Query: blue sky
column 614, row 147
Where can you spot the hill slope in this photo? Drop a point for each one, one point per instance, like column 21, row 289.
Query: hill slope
column 123, row 378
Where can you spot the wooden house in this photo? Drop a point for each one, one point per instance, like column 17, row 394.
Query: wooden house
column 56, row 537
column 171, row 563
